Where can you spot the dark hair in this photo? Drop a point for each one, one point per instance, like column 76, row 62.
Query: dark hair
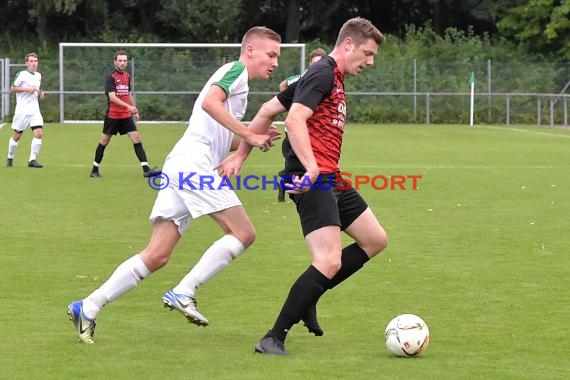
column 360, row 30
column 318, row 52
column 120, row 52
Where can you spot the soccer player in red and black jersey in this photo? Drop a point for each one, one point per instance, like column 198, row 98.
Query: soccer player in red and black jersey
column 326, row 206
column 315, row 125
column 121, row 115
column 315, row 56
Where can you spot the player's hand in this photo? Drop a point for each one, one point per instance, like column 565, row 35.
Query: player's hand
column 264, row 142
column 41, row 94
column 231, row 165
column 273, row 132
column 136, row 117
column 301, row 184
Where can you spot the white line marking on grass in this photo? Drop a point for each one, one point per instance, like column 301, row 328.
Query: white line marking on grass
column 349, row 168
column 2, row 126
column 456, row 167
column 526, row 131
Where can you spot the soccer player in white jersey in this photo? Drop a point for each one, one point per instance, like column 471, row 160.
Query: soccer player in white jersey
column 212, row 131
column 27, row 87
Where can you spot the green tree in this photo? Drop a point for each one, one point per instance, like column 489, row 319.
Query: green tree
column 40, row 11
column 201, row 21
column 544, row 25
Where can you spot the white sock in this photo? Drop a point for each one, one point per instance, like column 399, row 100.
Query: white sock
column 212, row 262
column 35, row 148
column 124, row 278
column 12, row 146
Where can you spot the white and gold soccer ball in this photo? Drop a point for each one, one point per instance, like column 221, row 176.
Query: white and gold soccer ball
column 406, row 335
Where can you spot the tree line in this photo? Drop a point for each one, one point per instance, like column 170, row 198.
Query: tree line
column 423, row 63
column 541, row 26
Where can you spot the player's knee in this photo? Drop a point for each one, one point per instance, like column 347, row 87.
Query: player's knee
column 383, row 241
column 334, row 266
column 247, row 236
column 105, row 139
column 157, row 262
column 155, row 258
column 378, row 244
column 329, row 267
column 17, row 135
column 135, row 137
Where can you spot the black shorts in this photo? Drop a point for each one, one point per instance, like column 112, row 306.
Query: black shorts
column 121, row 126
column 328, row 204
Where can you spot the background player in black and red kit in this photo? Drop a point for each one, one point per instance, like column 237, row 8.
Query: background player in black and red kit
column 315, row 125
column 121, row 114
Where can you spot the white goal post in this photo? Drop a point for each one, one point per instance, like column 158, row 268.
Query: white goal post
column 165, row 83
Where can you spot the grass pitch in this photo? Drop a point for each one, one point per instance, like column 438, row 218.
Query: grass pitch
column 480, row 251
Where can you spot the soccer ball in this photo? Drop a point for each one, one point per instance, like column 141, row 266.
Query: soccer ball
column 406, row 335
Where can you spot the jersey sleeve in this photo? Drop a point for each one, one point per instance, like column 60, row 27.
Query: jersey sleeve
column 314, row 86
column 292, row 79
column 285, row 97
column 109, row 84
column 18, row 80
column 228, row 80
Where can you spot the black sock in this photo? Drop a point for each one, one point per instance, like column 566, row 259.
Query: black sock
column 141, row 155
column 306, row 291
column 353, row 258
column 99, row 152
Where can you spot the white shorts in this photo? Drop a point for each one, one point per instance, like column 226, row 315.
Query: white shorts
column 193, row 189
column 22, row 122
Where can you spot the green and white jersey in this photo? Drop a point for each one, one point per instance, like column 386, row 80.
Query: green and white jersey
column 27, row 103
column 233, row 79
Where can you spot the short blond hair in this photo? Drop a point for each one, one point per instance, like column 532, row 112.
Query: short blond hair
column 259, row 31
column 35, row 55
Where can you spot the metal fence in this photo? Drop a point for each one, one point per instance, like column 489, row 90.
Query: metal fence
column 5, row 86
column 393, row 91
column 490, row 108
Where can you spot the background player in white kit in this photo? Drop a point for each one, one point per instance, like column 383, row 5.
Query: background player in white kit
column 27, row 87
column 211, row 130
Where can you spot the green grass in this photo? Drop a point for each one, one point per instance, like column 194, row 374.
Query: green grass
column 480, row 251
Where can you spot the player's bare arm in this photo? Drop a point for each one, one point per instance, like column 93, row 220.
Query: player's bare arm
column 31, row 90
column 115, row 99
column 272, row 131
column 262, row 124
column 231, row 165
column 213, row 104
column 136, row 114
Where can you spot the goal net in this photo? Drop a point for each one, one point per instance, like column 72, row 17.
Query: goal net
column 166, row 77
